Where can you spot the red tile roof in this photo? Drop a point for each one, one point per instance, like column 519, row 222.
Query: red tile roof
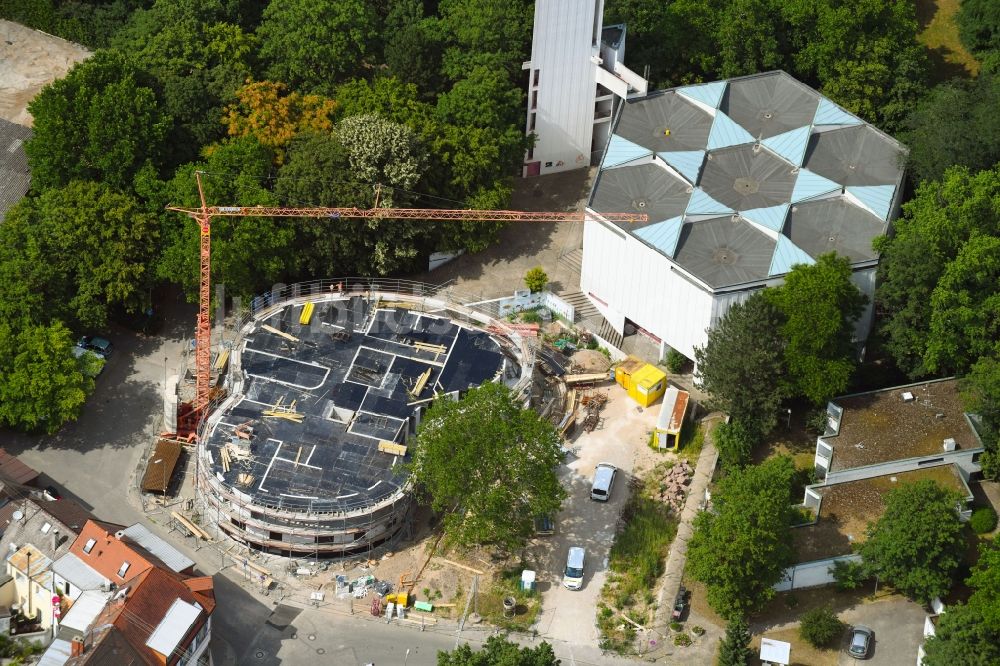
column 108, row 554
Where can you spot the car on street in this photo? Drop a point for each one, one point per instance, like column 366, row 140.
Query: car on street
column 96, row 344
column 573, row 576
column 861, row 642
column 680, row 604
column 51, row 494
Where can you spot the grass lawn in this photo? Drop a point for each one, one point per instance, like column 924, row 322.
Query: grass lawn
column 507, row 584
column 939, row 33
column 803, row 654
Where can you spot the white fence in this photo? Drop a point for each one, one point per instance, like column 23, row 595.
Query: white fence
column 525, row 300
column 811, row 574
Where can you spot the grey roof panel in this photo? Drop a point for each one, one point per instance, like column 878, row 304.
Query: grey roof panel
column 769, row 104
column 158, row 547
column 664, row 122
column 78, row 572
column 858, row 155
column 722, row 251
column 834, row 225
column 745, row 178
column 648, row 188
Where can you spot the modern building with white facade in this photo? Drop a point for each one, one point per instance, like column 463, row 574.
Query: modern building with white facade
column 575, row 75
column 741, row 179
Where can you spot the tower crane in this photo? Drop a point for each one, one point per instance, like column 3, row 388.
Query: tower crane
column 204, row 214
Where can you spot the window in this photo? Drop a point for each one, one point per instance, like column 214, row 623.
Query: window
column 531, row 122
column 46, row 527
column 123, row 569
column 534, row 99
column 89, row 546
column 67, row 589
column 534, row 78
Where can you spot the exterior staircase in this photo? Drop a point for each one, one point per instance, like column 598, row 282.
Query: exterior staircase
column 588, row 316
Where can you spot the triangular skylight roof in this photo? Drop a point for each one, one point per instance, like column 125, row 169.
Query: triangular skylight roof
column 686, row 162
column 726, row 132
column 622, row 150
column 828, row 113
column 875, row 198
column 772, row 217
column 702, row 203
column 709, row 94
column 790, row 145
column 663, row 235
column 786, row 255
column 810, row 185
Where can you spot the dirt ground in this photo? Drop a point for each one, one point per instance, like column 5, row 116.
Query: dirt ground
column 31, row 59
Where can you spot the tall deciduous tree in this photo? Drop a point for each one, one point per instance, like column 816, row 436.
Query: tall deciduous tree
column 934, row 227
column 41, row 383
column 74, row 253
column 740, row 550
column 965, row 308
column 313, row 45
column 742, row 366
column 981, row 395
column 820, row 305
column 101, row 122
column 969, row 633
column 955, row 124
column 916, row 545
column 979, row 26
column 489, row 465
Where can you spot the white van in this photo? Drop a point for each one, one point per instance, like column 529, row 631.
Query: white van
column 573, row 577
column 604, row 479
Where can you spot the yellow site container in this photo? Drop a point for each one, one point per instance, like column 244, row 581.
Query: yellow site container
column 645, row 383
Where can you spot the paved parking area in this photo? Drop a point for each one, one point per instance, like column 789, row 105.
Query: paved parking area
column 570, row 615
column 898, row 625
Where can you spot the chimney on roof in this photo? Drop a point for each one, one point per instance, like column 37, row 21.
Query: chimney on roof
column 76, row 646
column 55, row 540
column 949, row 444
column 119, row 534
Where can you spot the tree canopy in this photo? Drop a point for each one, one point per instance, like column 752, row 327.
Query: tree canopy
column 916, row 545
column 913, row 293
column 820, row 305
column 742, row 366
column 498, row 651
column 969, row 634
column 41, row 383
column 981, row 396
column 101, row 122
column 489, row 465
column 741, row 548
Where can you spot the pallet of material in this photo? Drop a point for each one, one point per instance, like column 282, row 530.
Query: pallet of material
column 392, row 448
column 586, row 378
column 272, row 329
column 307, row 313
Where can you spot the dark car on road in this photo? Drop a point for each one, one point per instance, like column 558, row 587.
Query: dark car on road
column 96, row 344
column 861, row 642
column 680, row 604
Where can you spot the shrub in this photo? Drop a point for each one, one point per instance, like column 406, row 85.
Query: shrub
column 983, row 520
column 531, row 317
column 675, row 626
column 675, row 361
column 849, row 575
column 536, row 279
column 734, row 442
column 735, row 647
column 697, row 631
column 820, row 627
column 682, row 640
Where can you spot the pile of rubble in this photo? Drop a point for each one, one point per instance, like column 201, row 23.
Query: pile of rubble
column 593, row 403
column 674, row 489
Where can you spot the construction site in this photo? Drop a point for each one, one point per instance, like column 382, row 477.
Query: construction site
column 322, row 394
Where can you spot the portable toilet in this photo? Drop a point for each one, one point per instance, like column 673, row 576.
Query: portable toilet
column 645, row 383
column 667, row 434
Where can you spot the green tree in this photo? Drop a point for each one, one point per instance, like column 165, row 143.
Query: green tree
column 484, row 32
column 820, row 627
column 41, row 383
column 965, row 308
column 955, row 124
column 916, row 545
column 74, row 253
column 101, row 122
column 742, row 365
column 248, row 254
column 979, row 26
column 536, row 279
column 734, row 650
column 741, row 548
column 314, row 44
column 198, row 59
column 981, row 395
column 820, row 305
column 489, row 465
column 413, row 47
column 734, row 441
column 484, row 98
column 498, row 651
column 934, row 227
column 969, row 634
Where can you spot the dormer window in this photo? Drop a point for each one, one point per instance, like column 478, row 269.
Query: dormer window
column 123, row 569
column 89, row 546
